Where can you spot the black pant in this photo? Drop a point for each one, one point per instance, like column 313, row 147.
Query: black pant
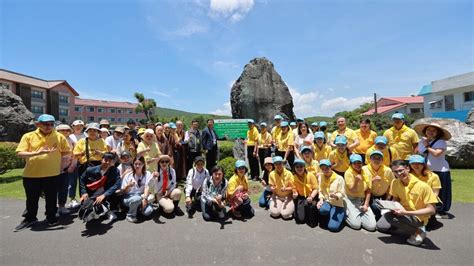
column 246, row 209
column 262, row 154
column 211, row 158
column 374, row 207
column 253, row 161
column 290, row 158
column 190, row 159
column 33, row 188
column 305, row 212
column 196, row 202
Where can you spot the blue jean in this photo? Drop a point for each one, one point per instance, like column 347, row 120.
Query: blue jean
column 72, row 188
column 63, row 184
column 337, row 215
column 445, row 193
column 264, row 198
column 211, row 211
column 134, row 202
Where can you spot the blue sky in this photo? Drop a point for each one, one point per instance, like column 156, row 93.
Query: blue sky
column 186, row 54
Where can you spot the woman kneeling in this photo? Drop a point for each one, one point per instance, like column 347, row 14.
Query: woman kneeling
column 306, row 189
column 281, row 185
column 213, row 195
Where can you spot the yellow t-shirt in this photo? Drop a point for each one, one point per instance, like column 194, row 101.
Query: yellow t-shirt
column 153, row 153
column 98, row 144
column 285, row 140
column 362, row 186
column 44, row 165
column 349, row 133
column 285, row 179
column 333, row 184
column 276, row 132
column 313, row 167
column 265, row 140
column 402, row 140
column 386, row 155
column 305, row 186
column 252, row 136
column 322, row 153
column 382, row 186
column 366, row 140
column 341, row 159
column 415, row 196
column 234, row 182
column 431, row 179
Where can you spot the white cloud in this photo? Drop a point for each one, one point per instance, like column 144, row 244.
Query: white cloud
column 160, row 93
column 334, row 105
column 224, row 110
column 224, row 64
column 304, row 103
column 234, row 10
column 191, row 28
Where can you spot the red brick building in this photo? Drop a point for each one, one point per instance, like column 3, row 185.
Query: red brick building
column 90, row 110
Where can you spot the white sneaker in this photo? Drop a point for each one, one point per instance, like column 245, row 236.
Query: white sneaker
column 63, row 211
column 416, row 239
column 111, row 216
column 74, row 204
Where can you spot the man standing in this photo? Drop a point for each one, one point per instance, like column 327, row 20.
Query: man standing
column 42, row 149
column 192, row 138
column 209, row 144
column 343, row 130
column 366, row 138
column 401, row 138
column 252, row 149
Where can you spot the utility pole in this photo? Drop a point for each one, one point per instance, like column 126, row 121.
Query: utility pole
column 375, row 102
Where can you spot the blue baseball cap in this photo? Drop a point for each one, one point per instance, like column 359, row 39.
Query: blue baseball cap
column 292, row 123
column 315, row 124
column 416, row 159
column 240, row 163
column 340, row 140
column 319, row 135
column 325, row 162
column 277, row 159
column 263, row 124
column 46, row 118
column 323, row 124
column 398, row 116
column 376, row 152
column 251, row 121
column 284, row 124
column 172, row 125
column 305, row 148
column 355, row 158
column 299, row 161
column 278, row 117
column 381, row 139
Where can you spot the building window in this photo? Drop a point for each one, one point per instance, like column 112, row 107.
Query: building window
column 78, row 109
column 112, row 119
column 63, row 112
column 90, row 119
column 449, row 103
column 63, row 99
column 112, row 110
column 91, row 109
column 100, row 110
column 120, row 119
column 36, row 94
column 416, row 110
column 37, row 109
column 119, row 111
column 130, row 111
column 4, row 86
column 435, row 104
column 469, row 96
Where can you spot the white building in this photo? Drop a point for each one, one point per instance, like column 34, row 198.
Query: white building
column 452, row 97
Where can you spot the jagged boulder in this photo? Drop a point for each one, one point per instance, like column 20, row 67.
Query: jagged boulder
column 460, row 151
column 470, row 118
column 260, row 93
column 15, row 118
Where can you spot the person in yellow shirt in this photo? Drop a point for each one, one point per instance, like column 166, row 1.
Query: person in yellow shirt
column 238, row 192
column 323, row 127
column 359, row 214
column 304, row 193
column 380, row 177
column 366, row 138
column 331, row 196
column 42, row 150
column 389, row 153
column 402, row 138
column 286, row 144
column 340, row 157
column 321, row 149
column 149, row 149
column 276, row 130
column 252, row 142
column 90, row 150
column 419, row 169
column 265, row 144
column 343, row 130
column 312, row 166
column 417, row 200
column 281, row 185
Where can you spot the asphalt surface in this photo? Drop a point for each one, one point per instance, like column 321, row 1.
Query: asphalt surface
column 260, row 240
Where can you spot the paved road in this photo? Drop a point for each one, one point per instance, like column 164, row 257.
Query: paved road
column 261, row 240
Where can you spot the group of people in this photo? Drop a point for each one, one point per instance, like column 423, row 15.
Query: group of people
column 317, row 177
column 307, row 173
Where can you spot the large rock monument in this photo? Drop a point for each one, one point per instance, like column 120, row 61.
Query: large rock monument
column 260, row 93
column 15, row 118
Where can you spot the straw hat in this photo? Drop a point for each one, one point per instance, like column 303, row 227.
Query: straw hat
column 443, row 133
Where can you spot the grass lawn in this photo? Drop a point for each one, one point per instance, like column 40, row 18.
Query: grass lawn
column 462, row 184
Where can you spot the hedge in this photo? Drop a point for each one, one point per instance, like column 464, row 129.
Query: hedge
column 8, row 158
column 229, row 165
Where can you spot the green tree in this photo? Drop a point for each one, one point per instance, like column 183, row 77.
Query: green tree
column 145, row 106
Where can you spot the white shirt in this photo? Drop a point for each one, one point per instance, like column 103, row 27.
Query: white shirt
column 143, row 180
column 436, row 164
column 112, row 142
column 299, row 140
column 157, row 182
column 75, row 138
column 195, row 179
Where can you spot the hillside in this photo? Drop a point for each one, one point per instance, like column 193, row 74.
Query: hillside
column 167, row 114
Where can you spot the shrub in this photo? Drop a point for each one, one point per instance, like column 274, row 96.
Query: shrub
column 229, row 165
column 225, row 149
column 8, row 158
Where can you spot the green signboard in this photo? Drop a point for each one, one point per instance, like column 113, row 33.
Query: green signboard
column 231, row 128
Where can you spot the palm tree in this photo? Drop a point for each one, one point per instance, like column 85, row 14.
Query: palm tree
column 145, row 106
